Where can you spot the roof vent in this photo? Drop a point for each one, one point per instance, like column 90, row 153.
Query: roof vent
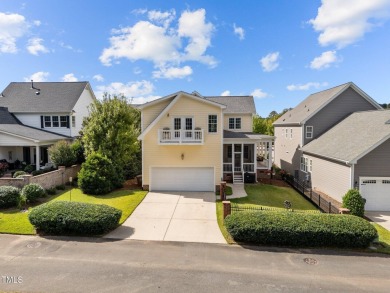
column 2, row 95
column 387, row 122
column 38, row 92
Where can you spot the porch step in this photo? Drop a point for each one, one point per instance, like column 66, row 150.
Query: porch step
column 238, row 179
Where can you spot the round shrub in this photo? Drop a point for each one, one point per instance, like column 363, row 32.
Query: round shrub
column 28, row 169
column 19, row 173
column 9, row 196
column 74, row 218
column 353, row 201
column 61, row 154
column 300, row 229
column 33, row 191
column 97, row 175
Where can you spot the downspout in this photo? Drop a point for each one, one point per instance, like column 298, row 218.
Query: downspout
column 352, row 167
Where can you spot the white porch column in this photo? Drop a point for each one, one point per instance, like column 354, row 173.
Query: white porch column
column 269, row 155
column 233, row 160
column 37, row 157
column 242, row 158
column 255, row 160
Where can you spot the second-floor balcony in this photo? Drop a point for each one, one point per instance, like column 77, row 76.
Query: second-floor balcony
column 167, row 136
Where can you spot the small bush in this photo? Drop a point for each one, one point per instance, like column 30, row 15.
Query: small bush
column 78, row 150
column 60, row 187
column 33, row 191
column 18, row 174
column 51, row 191
column 28, row 169
column 61, row 154
column 64, row 218
column 3, row 168
column 298, row 229
column 353, row 201
column 97, row 175
column 22, row 202
column 9, row 196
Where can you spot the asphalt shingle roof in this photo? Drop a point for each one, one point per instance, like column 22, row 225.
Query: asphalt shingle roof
column 353, row 136
column 30, row 132
column 235, row 104
column 6, row 117
column 59, row 97
column 311, row 104
column 245, row 135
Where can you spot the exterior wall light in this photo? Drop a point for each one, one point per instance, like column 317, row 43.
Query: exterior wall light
column 182, row 156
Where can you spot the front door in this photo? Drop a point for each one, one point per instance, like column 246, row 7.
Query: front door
column 237, row 162
column 183, row 123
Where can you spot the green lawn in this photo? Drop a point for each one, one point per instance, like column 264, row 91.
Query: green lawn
column 273, row 196
column 384, row 239
column 13, row 221
column 228, row 191
column 221, row 224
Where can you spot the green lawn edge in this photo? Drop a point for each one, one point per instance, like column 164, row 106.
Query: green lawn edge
column 13, row 221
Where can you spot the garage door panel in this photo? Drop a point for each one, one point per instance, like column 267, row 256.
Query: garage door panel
column 182, row 179
column 376, row 191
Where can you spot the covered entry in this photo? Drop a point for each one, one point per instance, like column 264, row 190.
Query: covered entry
column 182, row 179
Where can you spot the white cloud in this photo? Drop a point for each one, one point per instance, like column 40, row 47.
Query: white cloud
column 162, row 42
column 239, row 31
column 325, row 60
column 225, row 93
column 270, row 62
column 69, row 77
column 12, row 27
column 35, row 46
column 39, row 76
column 192, row 25
column 164, row 18
column 37, row 22
column 306, row 86
column 343, row 22
column 173, row 72
column 98, row 77
column 258, row 93
column 138, row 91
column 142, row 41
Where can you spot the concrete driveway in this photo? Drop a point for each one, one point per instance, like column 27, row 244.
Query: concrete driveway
column 173, row 216
column 381, row 218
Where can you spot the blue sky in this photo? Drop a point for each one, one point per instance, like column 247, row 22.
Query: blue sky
column 277, row 51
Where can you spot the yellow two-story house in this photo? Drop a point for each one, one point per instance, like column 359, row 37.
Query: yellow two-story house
column 192, row 142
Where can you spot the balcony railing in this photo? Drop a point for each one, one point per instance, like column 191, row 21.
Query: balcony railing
column 180, row 136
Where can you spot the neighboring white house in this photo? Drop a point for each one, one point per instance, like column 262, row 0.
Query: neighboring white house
column 36, row 115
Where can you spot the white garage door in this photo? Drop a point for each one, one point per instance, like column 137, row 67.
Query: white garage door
column 376, row 190
column 182, row 179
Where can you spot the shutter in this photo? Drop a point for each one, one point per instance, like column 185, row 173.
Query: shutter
column 42, row 124
column 67, row 122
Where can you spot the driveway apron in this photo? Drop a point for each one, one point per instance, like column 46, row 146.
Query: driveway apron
column 381, row 218
column 173, row 216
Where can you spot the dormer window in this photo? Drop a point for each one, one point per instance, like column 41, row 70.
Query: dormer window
column 235, row 123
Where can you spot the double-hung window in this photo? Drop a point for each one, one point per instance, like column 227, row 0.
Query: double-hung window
column 63, row 121
column 213, row 124
column 304, row 162
column 73, row 121
column 47, row 120
column 235, row 123
column 309, row 131
column 55, row 120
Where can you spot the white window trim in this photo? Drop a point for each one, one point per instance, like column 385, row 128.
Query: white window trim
column 306, row 164
column 235, row 123
column 208, row 122
column 307, row 132
column 183, row 122
column 73, row 121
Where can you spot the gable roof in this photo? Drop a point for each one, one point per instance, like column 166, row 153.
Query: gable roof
column 358, row 134
column 175, row 98
column 315, row 102
column 60, row 97
column 235, row 104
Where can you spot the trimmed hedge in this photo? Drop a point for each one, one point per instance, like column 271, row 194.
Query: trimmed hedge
column 299, row 229
column 9, row 196
column 19, row 173
column 33, row 191
column 69, row 218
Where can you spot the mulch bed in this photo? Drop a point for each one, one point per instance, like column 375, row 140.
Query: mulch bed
column 130, row 184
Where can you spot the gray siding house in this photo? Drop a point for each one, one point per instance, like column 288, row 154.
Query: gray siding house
column 353, row 154
column 336, row 140
column 313, row 117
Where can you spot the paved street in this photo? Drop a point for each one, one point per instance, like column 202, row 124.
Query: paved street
column 96, row 265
